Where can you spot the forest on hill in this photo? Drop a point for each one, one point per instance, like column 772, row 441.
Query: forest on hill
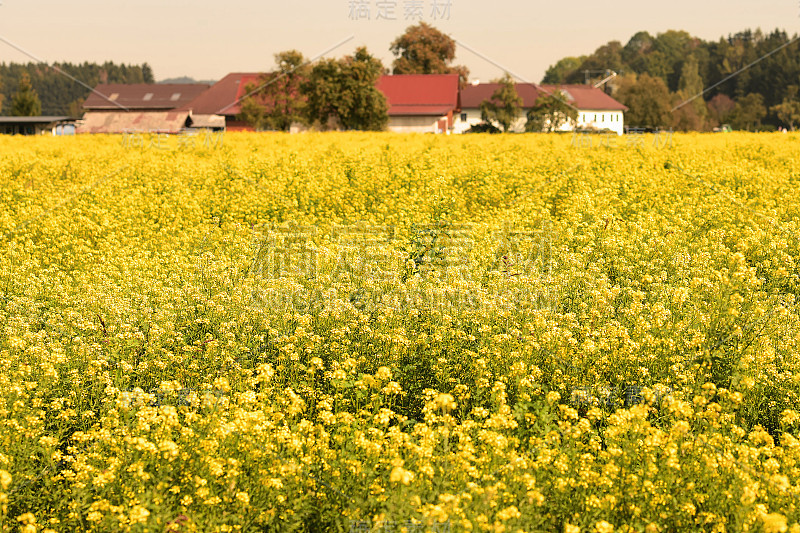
column 658, row 73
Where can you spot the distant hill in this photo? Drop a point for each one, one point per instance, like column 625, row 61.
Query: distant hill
column 187, row 79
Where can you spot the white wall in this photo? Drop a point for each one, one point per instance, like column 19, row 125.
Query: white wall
column 609, row 120
column 414, row 124
column 612, row 120
column 473, row 118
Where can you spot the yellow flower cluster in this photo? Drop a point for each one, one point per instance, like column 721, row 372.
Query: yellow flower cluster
column 476, row 333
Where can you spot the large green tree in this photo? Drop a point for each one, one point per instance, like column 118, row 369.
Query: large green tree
column 691, row 113
column 277, row 101
column 648, row 101
column 634, row 53
column 558, row 73
column 504, row 106
column 423, row 49
column 342, row 93
column 550, row 113
column 720, row 108
column 606, row 58
column 748, row 112
column 25, row 102
column 788, row 111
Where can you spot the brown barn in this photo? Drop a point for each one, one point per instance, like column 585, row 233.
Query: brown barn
column 142, row 107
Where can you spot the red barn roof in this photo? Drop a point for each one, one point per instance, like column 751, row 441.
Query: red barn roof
column 223, row 97
column 420, row 94
column 473, row 95
column 139, row 96
column 583, row 97
column 586, row 97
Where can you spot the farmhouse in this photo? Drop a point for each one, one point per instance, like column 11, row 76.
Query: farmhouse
column 473, row 95
column 424, row 103
column 596, row 110
column 120, row 108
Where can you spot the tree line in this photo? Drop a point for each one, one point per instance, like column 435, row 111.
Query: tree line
column 658, row 74
column 34, row 89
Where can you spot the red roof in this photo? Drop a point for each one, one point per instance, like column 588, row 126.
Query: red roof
column 473, row 95
column 139, row 96
column 583, row 97
column 223, row 97
column 586, row 97
column 420, row 94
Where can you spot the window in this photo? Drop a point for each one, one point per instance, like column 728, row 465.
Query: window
column 602, row 118
column 175, row 97
column 148, row 97
column 595, row 118
column 113, row 97
column 463, row 117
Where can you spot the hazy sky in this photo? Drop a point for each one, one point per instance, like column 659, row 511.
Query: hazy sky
column 206, row 39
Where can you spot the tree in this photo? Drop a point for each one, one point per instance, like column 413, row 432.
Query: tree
column 423, row 49
column 669, row 51
column 25, row 102
column 504, row 106
column 634, row 53
column 75, row 108
column 748, row 112
column 720, row 108
column 691, row 116
column 550, row 113
column 366, row 107
column 147, row 74
column 647, row 99
column 558, row 73
column 252, row 111
column 788, row 111
column 342, row 93
column 277, row 102
column 606, row 58
column 688, row 117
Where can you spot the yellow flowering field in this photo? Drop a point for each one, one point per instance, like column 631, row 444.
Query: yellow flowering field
column 377, row 332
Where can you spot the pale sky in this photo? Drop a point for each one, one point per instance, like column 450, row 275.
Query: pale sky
column 206, row 39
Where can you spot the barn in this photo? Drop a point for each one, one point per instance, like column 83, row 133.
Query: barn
column 141, row 107
column 422, row 103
